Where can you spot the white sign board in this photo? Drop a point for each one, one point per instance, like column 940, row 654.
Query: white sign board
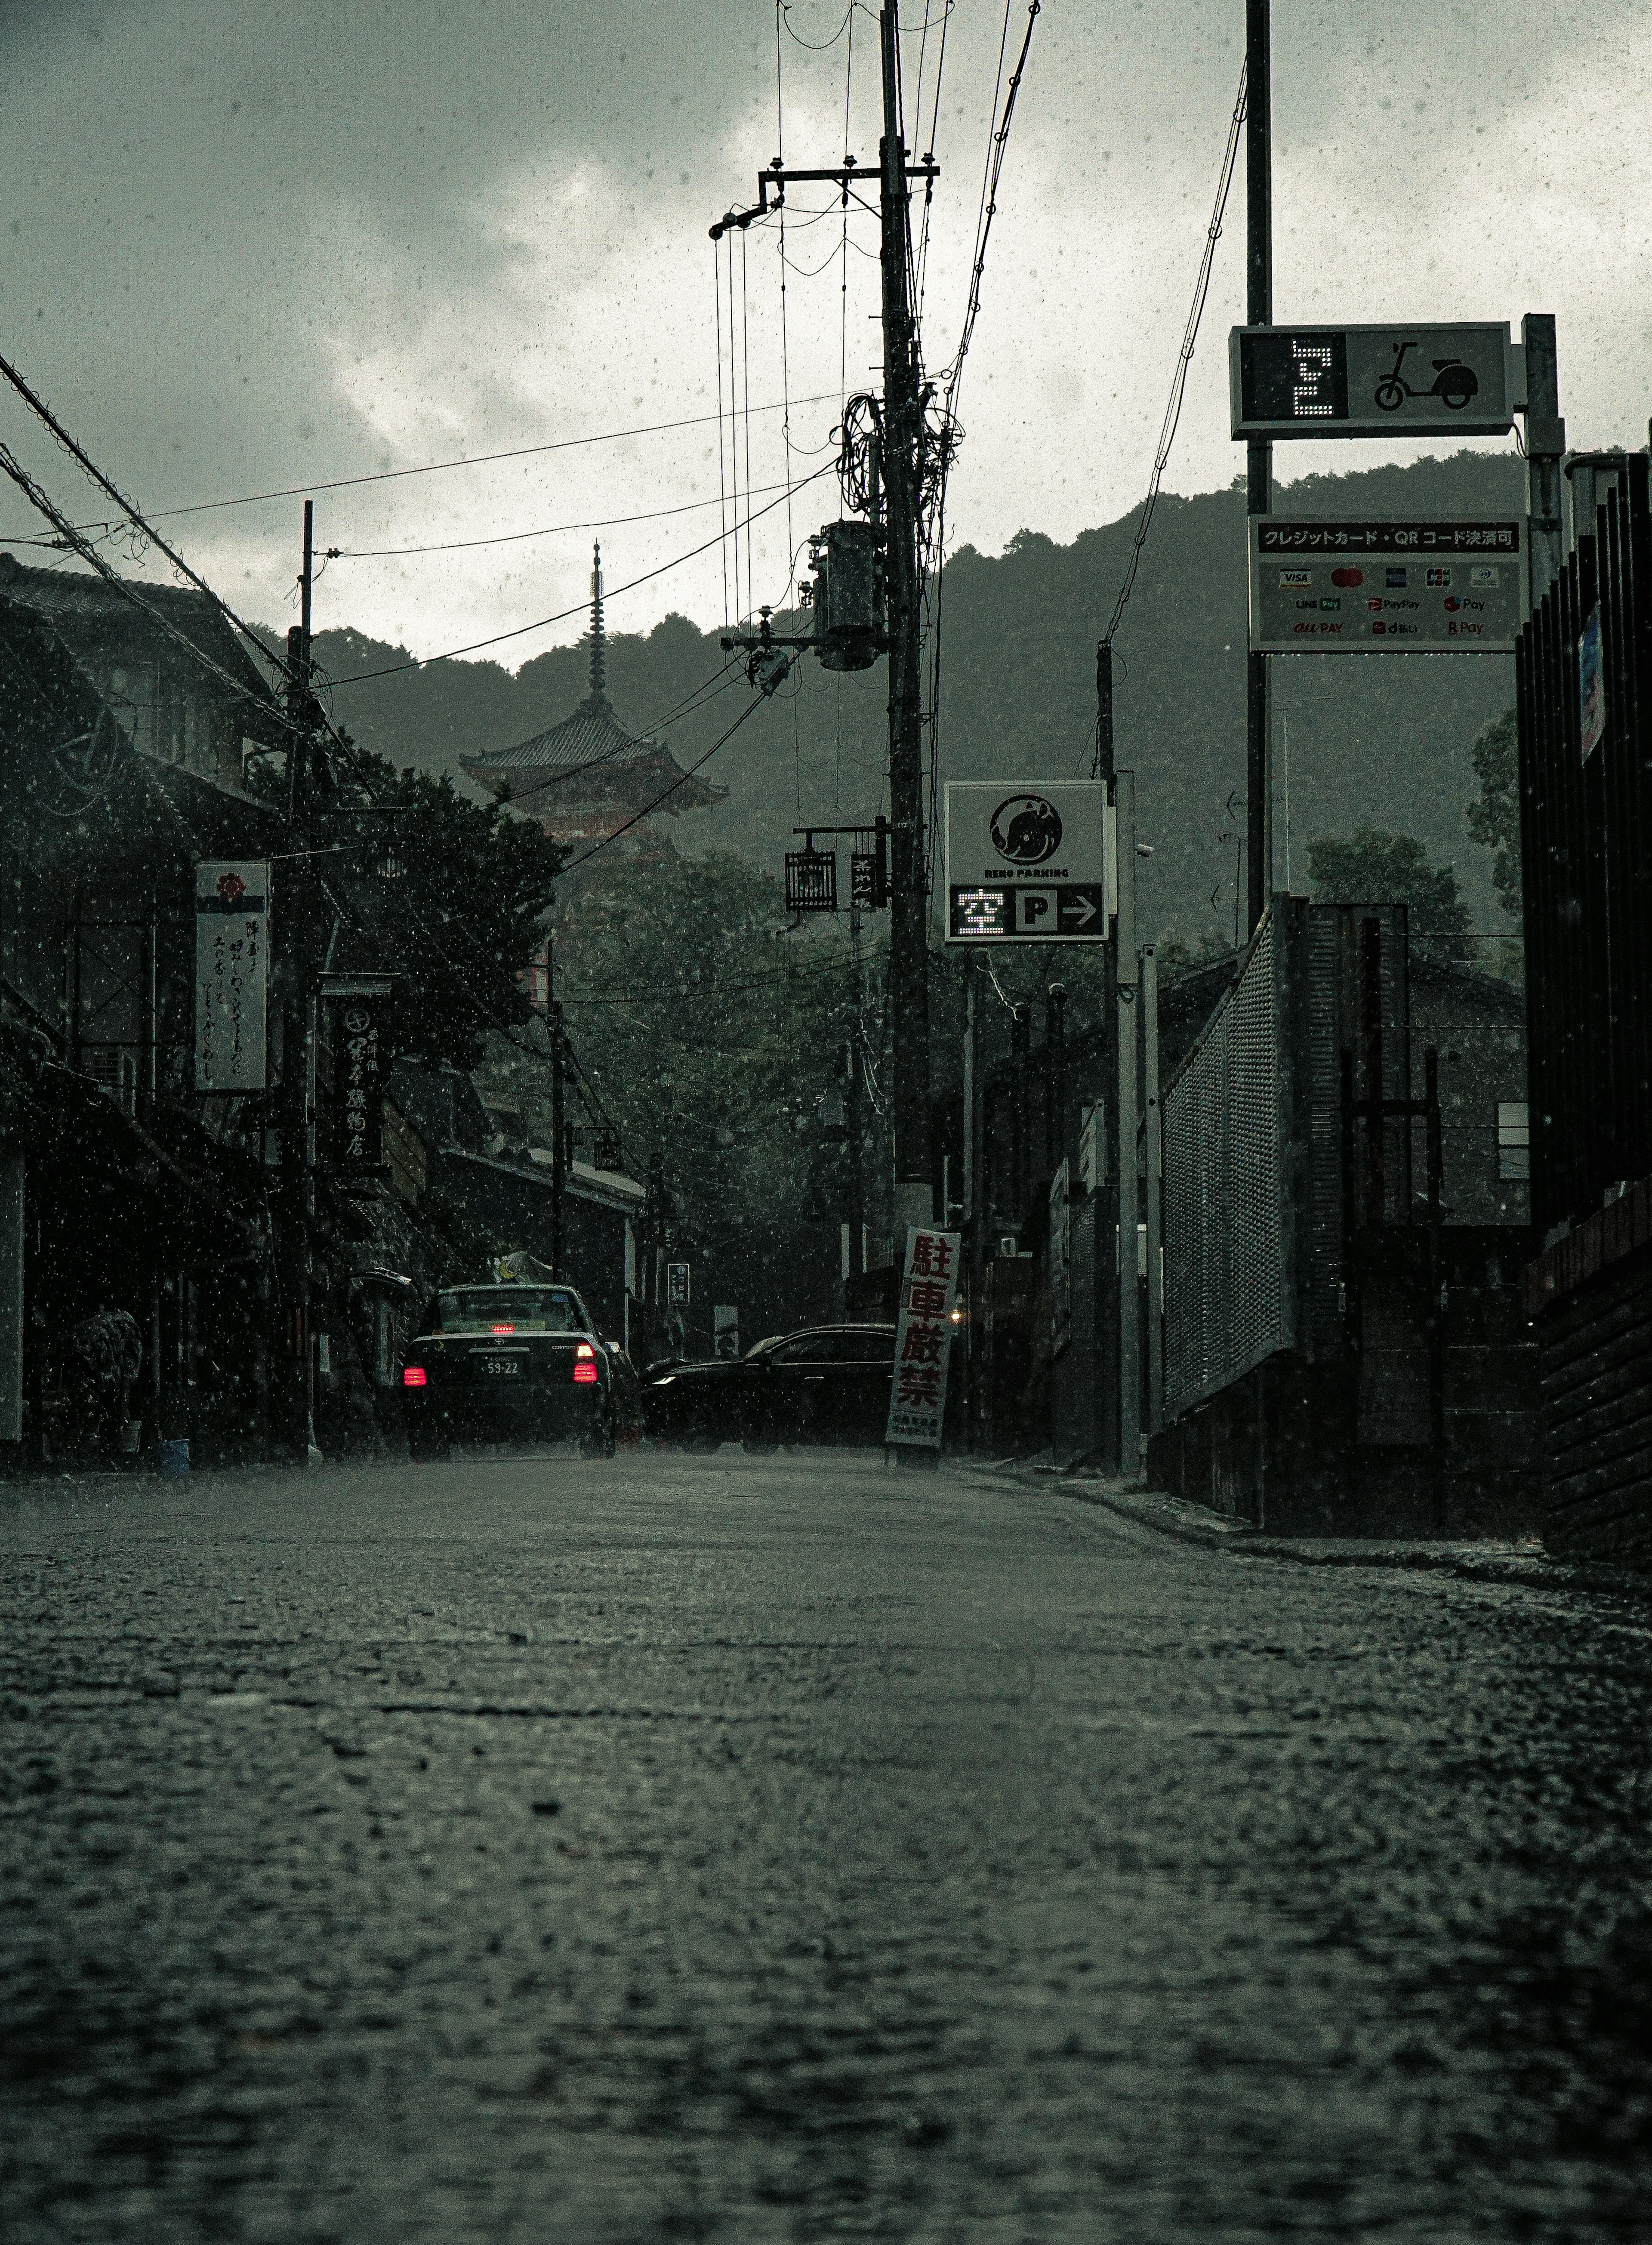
column 1385, row 587
column 1403, row 380
column 1028, row 861
column 923, row 1339
column 232, row 976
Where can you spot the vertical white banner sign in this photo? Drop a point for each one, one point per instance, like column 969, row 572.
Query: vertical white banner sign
column 923, row 1339
column 232, row 976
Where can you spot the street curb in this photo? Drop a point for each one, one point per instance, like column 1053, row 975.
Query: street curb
column 1186, row 1523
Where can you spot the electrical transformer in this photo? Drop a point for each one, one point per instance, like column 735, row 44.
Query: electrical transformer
column 849, row 596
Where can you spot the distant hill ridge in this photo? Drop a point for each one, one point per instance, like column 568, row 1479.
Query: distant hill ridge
column 1381, row 737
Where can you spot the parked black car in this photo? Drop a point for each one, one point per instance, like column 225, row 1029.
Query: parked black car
column 502, row 1363
column 825, row 1384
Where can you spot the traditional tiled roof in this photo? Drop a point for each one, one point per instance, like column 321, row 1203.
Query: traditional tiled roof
column 591, row 739
column 79, row 598
column 593, row 734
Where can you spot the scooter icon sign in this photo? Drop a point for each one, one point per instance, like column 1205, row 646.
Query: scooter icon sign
column 1372, row 381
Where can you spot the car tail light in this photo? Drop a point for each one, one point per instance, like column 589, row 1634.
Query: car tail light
column 413, row 1376
column 501, row 1328
column 585, row 1349
column 584, row 1376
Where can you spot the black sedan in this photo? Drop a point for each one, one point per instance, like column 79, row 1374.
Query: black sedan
column 826, row 1384
column 504, row 1363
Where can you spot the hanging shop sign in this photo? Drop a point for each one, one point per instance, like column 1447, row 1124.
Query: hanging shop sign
column 360, row 1065
column 923, row 1339
column 232, row 976
column 1390, row 381
column 677, row 1285
column 1385, row 587
column 1029, row 861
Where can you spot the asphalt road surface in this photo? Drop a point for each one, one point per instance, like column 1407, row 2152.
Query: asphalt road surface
column 784, row 1849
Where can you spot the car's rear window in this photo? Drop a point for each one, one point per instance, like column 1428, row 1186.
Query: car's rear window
column 513, row 1309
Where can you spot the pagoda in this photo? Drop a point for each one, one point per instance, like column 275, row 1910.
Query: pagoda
column 587, row 778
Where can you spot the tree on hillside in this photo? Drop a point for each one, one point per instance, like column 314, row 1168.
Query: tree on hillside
column 450, row 896
column 1377, row 868
column 1494, row 815
column 711, row 1032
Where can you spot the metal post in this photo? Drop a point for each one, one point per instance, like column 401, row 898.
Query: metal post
column 901, row 462
column 1154, row 1134
column 1436, row 1285
column 853, row 1115
column 1545, row 443
column 1129, row 1293
column 1054, row 1076
column 1259, row 453
column 970, row 975
column 559, row 1132
column 1020, row 1038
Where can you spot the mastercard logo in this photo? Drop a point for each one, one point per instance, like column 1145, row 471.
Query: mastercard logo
column 1348, row 577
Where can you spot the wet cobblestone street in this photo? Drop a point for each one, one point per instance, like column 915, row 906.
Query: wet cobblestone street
column 782, row 1848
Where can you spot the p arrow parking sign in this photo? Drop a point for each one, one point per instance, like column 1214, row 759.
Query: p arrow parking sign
column 1029, row 861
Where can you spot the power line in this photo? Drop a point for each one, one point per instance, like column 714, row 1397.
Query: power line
column 476, row 460
column 584, row 855
column 1184, row 358
column 496, row 638
column 997, row 143
column 515, row 537
column 38, row 406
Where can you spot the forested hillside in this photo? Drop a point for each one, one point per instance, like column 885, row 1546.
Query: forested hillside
column 1381, row 738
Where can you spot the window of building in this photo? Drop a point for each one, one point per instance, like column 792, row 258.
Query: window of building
column 1513, row 1139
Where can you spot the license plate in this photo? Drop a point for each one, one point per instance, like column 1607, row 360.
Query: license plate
column 502, row 1367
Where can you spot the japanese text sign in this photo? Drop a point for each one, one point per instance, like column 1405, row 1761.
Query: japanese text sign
column 358, row 1083
column 232, row 976
column 1364, row 587
column 923, row 1339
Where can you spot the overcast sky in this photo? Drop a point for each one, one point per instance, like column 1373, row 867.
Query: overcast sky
column 253, row 246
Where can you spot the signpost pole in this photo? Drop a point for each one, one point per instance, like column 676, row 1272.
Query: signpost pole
column 1155, row 1175
column 1129, row 1358
column 559, row 1132
column 1259, row 451
column 1545, row 444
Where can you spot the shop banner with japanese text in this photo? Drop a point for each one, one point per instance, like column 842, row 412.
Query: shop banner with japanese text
column 358, row 1077
column 923, row 1339
column 232, row 976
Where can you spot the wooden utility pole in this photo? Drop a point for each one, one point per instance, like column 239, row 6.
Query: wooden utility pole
column 297, row 1117
column 902, row 468
column 1258, row 452
column 559, row 1123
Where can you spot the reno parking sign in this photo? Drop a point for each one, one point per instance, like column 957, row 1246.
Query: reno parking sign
column 1028, row 861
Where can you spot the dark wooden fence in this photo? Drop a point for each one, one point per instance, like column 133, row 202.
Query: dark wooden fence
column 1585, row 849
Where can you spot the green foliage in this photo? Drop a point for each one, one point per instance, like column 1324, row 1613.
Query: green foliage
column 1375, row 868
column 711, row 1032
column 464, row 917
column 1494, row 815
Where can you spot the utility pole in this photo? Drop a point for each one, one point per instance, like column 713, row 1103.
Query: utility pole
column 894, row 481
column 1129, row 1282
column 297, row 1099
column 900, row 466
column 1154, row 1213
column 1258, row 452
column 558, row 1131
column 1108, row 1218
